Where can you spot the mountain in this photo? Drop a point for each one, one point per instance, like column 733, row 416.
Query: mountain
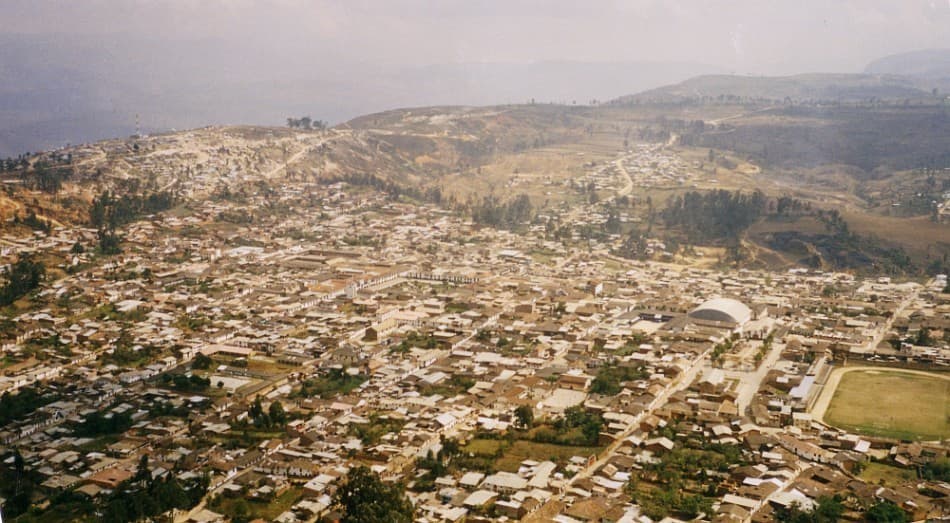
column 928, row 64
column 804, row 87
column 46, row 100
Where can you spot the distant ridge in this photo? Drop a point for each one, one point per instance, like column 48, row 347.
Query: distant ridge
column 815, row 87
column 46, row 101
column 928, row 64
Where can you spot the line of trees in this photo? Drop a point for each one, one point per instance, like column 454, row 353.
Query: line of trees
column 392, row 189
column 306, row 123
column 97, row 424
column 12, row 164
column 714, row 215
column 46, row 177
column 503, row 214
column 34, row 222
column 109, row 211
column 23, row 403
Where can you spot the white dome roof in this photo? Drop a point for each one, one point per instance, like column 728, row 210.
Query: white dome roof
column 722, row 309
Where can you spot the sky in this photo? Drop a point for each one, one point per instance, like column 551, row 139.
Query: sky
column 744, row 36
column 80, row 70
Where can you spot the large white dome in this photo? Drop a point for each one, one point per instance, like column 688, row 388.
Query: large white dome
column 722, row 309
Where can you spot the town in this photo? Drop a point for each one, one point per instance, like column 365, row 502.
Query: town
column 255, row 359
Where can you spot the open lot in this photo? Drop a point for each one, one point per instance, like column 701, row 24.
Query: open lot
column 887, row 475
column 891, row 403
column 513, row 453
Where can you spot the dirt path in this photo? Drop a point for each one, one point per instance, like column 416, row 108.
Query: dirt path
column 828, row 390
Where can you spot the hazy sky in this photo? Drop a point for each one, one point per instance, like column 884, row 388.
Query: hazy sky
column 80, row 70
column 757, row 36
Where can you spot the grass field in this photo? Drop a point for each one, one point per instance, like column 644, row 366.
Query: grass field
column 522, row 450
column 516, row 452
column 251, row 509
column 887, row 475
column 892, row 404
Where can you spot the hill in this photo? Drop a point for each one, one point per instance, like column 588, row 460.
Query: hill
column 928, row 63
column 804, row 87
column 47, row 102
column 880, row 164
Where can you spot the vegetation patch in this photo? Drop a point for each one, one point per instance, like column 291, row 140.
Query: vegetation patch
column 875, row 473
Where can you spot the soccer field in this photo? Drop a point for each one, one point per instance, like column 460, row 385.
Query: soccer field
column 892, row 403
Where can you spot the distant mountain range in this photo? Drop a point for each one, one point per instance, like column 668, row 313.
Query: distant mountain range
column 72, row 89
column 818, row 86
column 75, row 89
column 897, row 77
column 926, row 64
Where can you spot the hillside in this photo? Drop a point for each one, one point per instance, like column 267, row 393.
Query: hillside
column 47, row 102
column 805, row 87
column 880, row 164
column 928, row 63
column 408, row 149
column 877, row 139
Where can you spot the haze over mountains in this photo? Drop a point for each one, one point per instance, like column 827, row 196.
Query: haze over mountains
column 47, row 99
column 928, row 63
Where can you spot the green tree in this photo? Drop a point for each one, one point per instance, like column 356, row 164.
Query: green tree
column 201, row 361
column 886, row 512
column 24, row 276
column 241, row 511
column 109, row 242
column 277, row 414
column 364, row 498
column 524, row 416
column 828, row 510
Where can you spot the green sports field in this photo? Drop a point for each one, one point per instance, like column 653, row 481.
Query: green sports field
column 893, row 404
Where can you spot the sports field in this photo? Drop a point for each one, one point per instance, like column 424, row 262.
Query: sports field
column 892, row 403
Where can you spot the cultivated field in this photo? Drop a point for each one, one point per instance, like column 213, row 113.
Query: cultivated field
column 892, row 403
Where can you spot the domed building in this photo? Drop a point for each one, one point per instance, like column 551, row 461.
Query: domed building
column 722, row 310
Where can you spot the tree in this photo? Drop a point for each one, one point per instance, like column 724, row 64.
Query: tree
column 924, row 339
column 524, row 416
column 109, row 242
column 24, row 276
column 201, row 361
column 277, row 414
column 828, row 510
column 142, row 473
column 612, row 225
column 241, row 510
column 364, row 498
column 886, row 512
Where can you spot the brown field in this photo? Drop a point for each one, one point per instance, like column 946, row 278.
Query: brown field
column 915, row 234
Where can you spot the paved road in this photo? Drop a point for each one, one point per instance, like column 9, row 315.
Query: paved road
column 751, row 381
column 876, row 340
